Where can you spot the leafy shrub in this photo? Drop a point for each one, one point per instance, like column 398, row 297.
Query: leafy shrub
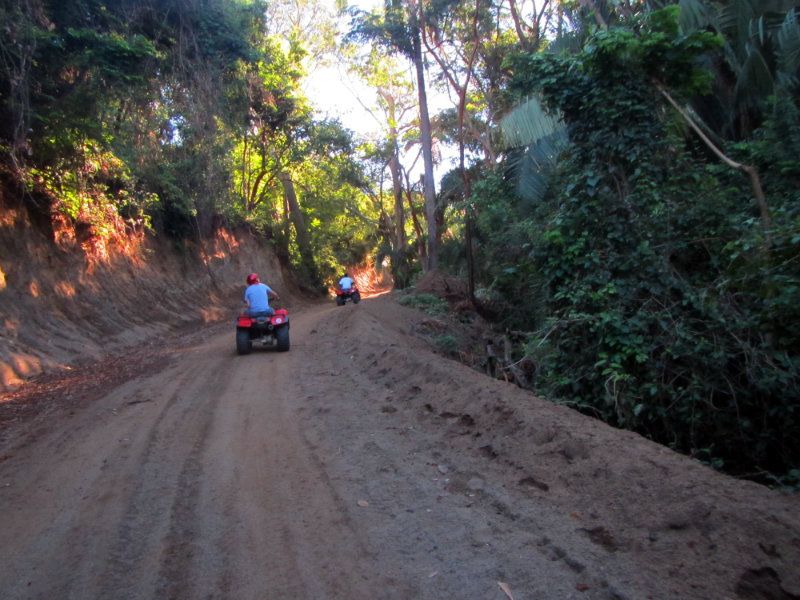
column 645, row 271
column 433, row 305
column 445, row 343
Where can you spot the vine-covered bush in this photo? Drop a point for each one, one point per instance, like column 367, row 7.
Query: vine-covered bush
column 659, row 306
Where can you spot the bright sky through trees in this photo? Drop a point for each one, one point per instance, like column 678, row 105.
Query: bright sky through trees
column 337, row 94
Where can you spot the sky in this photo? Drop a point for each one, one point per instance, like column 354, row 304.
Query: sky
column 339, row 95
column 336, row 94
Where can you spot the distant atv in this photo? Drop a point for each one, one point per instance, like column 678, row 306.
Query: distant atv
column 342, row 296
column 263, row 328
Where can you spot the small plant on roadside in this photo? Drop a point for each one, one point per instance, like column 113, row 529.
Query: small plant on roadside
column 445, row 343
column 789, row 482
column 433, row 305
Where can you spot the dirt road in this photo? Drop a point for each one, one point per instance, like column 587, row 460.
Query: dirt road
column 362, row 465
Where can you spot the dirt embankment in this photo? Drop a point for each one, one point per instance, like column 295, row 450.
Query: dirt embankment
column 66, row 296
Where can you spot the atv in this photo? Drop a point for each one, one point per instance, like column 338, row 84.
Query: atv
column 342, row 296
column 263, row 328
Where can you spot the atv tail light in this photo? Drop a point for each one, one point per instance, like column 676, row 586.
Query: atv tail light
column 278, row 321
column 244, row 322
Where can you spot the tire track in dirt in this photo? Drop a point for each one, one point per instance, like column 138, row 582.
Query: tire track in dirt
column 320, row 555
column 156, row 510
column 435, row 535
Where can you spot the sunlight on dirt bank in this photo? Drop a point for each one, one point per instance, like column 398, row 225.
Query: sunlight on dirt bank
column 371, row 280
column 68, row 292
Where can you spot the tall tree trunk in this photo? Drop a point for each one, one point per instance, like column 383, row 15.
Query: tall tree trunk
column 523, row 39
column 301, row 233
column 415, row 220
column 399, row 212
column 470, row 256
column 400, row 258
column 461, row 90
column 426, row 138
column 397, row 181
column 282, row 246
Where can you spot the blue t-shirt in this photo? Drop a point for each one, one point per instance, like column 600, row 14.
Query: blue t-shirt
column 345, row 283
column 257, row 297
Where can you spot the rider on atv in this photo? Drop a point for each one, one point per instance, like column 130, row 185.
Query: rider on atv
column 346, row 283
column 347, row 290
column 260, row 323
column 257, row 296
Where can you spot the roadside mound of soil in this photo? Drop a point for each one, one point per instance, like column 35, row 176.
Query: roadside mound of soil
column 676, row 523
column 66, row 299
column 445, row 286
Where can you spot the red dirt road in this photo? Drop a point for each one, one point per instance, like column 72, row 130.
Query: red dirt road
column 361, row 465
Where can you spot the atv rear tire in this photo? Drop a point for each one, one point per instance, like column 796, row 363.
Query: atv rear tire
column 282, row 337
column 243, row 342
column 356, row 298
column 340, row 301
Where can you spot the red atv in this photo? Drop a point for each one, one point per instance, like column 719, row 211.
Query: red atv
column 264, row 328
column 342, row 296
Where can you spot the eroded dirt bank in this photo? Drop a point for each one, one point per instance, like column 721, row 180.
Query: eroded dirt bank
column 362, row 465
column 65, row 297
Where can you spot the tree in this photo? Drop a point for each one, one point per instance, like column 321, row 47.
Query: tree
column 147, row 86
column 394, row 106
column 399, row 27
column 648, row 295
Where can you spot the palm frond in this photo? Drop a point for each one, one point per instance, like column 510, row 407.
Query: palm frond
column 528, row 123
column 788, row 48
column 758, row 30
column 754, row 82
column 734, row 22
column 538, row 137
column 695, row 15
column 533, row 169
column 732, row 59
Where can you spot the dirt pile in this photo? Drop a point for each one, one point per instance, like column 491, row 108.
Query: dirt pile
column 64, row 297
column 620, row 512
column 445, row 286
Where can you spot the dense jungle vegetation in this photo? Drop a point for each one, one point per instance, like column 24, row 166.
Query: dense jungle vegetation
column 625, row 192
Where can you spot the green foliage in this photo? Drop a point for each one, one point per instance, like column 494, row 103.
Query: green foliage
column 641, row 269
column 395, row 27
column 759, row 58
column 445, row 343
column 178, row 113
column 433, row 305
column 504, row 241
column 110, row 83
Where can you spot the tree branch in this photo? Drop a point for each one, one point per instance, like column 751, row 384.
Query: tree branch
column 749, row 170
